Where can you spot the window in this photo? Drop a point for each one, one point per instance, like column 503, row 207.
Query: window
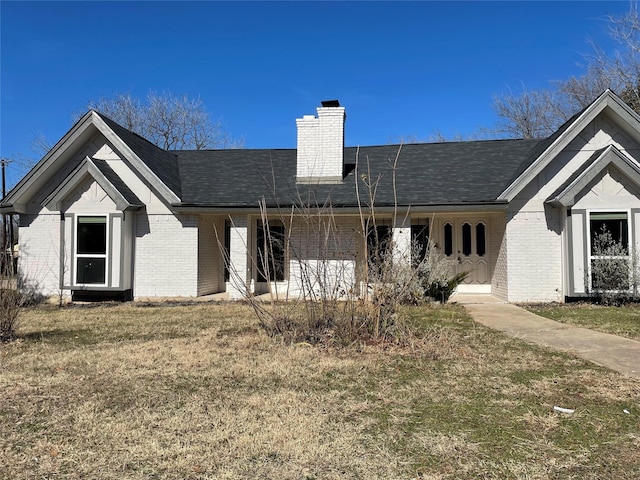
column 379, row 238
column 271, row 251
column 91, row 250
column 614, row 223
column 419, row 240
column 448, row 239
column 609, row 250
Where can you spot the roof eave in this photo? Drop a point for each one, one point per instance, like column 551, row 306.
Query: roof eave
column 489, row 206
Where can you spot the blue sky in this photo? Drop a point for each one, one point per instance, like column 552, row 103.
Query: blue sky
column 400, row 69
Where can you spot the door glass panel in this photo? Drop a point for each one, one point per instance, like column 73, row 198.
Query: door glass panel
column 481, row 247
column 448, row 239
column 466, row 239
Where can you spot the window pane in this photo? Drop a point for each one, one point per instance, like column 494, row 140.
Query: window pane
column 271, row 252
column 609, row 231
column 448, row 239
column 92, row 235
column 91, row 270
column 466, row 239
column 481, row 247
column 378, row 244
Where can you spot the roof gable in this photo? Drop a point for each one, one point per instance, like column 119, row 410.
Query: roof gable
column 108, row 180
column 549, row 148
column 158, row 168
column 599, row 161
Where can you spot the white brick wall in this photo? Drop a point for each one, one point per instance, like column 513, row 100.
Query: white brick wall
column 321, row 144
column 39, row 243
column 322, row 255
column 499, row 280
column 166, row 260
column 534, row 256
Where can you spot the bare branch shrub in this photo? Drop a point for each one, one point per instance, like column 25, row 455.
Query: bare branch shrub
column 15, row 293
column 10, row 304
column 350, row 282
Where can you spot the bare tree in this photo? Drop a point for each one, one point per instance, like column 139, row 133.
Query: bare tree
column 538, row 113
column 531, row 114
column 170, row 121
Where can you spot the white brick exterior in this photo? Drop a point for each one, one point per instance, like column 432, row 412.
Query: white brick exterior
column 323, row 257
column 534, row 257
column 40, row 252
column 500, row 278
column 320, row 154
column 166, row 256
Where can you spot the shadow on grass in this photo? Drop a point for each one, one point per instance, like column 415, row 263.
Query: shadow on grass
column 73, row 337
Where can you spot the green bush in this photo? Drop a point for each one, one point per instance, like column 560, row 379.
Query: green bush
column 442, row 288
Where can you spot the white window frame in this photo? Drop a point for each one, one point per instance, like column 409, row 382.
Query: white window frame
column 630, row 243
column 77, row 255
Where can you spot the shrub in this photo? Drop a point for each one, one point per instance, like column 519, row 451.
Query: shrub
column 614, row 272
column 441, row 289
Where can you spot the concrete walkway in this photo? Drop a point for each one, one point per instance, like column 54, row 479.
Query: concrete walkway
column 611, row 351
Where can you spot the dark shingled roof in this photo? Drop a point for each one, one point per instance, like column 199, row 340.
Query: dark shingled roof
column 450, row 173
column 427, row 174
column 117, row 182
column 161, row 162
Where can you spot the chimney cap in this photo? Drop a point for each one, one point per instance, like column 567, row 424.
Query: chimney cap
column 330, row 103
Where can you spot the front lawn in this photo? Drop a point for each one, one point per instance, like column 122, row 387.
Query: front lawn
column 623, row 321
column 199, row 392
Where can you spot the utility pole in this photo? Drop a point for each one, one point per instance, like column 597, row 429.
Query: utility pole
column 7, row 241
column 3, row 262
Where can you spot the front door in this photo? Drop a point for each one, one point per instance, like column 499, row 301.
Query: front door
column 472, row 251
column 466, row 241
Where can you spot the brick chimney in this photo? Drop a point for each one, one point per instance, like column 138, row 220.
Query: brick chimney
column 321, row 145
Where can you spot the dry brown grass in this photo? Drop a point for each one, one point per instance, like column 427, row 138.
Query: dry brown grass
column 130, row 391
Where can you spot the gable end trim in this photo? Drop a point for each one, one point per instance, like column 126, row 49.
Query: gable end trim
column 565, row 196
column 87, row 167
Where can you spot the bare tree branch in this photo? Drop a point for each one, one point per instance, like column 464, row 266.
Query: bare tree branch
column 170, row 121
